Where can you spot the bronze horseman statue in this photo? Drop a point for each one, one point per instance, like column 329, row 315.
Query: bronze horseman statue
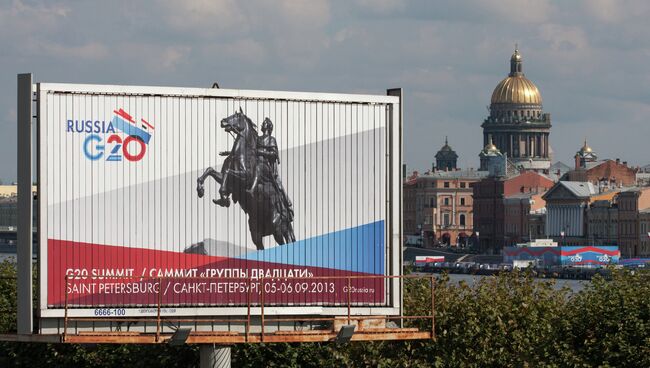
column 250, row 175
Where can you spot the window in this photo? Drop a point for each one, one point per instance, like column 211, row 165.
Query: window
column 446, row 201
column 462, row 201
column 432, row 202
column 462, row 220
column 446, row 184
column 445, row 219
column 462, row 184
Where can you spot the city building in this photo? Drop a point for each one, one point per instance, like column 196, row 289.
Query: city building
column 489, row 205
column 440, row 206
column 518, row 209
column 489, row 156
column 516, row 124
column 643, row 176
column 566, row 207
column 644, row 234
column 446, row 158
column 602, row 222
column 632, row 203
column 558, row 169
column 584, row 156
column 408, row 205
column 604, row 174
column 7, row 191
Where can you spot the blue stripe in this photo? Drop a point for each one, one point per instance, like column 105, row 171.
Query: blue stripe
column 130, row 129
column 358, row 249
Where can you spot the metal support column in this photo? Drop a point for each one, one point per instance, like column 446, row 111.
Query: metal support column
column 25, row 199
column 396, row 239
column 214, row 356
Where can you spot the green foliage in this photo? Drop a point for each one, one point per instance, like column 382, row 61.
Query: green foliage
column 8, row 296
column 506, row 320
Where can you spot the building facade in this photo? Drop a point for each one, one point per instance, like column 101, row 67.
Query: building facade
column 516, row 125
column 644, row 233
column 489, row 205
column 517, row 217
column 602, row 222
column 631, row 204
column 408, row 206
column 566, row 204
column 443, row 206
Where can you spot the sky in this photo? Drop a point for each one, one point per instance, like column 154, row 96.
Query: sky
column 590, row 59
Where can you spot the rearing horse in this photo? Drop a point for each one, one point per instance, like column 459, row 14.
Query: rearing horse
column 267, row 214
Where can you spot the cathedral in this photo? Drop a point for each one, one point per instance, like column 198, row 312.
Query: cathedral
column 517, row 127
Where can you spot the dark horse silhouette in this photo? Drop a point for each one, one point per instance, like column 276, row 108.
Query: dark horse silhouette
column 267, row 207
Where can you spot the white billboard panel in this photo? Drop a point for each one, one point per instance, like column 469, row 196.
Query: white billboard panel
column 146, row 192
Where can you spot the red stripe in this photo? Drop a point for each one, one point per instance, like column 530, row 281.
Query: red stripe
column 124, row 115
column 591, row 249
column 63, row 255
column 532, row 252
column 149, row 125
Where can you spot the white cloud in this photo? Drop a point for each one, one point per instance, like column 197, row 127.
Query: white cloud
column 206, row 18
column 517, row 11
column 564, row 38
column 381, row 6
column 88, row 51
column 612, row 11
column 21, row 18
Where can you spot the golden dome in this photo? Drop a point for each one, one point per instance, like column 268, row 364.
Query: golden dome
column 585, row 148
column 490, row 147
column 517, row 90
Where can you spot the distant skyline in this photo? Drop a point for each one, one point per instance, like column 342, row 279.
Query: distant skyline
column 589, row 59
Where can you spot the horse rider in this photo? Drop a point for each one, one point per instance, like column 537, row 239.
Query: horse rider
column 268, row 160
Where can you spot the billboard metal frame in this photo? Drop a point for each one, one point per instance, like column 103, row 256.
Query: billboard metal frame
column 29, row 93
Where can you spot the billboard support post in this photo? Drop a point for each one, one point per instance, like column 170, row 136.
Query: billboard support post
column 214, row 356
column 25, row 198
column 398, row 240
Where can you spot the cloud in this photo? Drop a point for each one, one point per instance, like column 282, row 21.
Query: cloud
column 611, row 11
column 88, row 51
column 518, row 11
column 382, row 6
column 206, row 18
column 588, row 58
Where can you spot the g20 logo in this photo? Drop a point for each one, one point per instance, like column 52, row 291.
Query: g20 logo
column 117, row 146
column 105, row 140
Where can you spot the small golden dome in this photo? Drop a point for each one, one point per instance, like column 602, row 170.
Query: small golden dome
column 490, row 147
column 585, row 148
column 517, row 90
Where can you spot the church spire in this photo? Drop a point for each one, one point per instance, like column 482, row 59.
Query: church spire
column 516, row 64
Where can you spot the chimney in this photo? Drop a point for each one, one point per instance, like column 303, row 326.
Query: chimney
column 618, row 160
column 625, row 163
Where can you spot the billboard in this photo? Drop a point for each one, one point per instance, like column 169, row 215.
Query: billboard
column 204, row 199
column 420, row 260
column 575, row 256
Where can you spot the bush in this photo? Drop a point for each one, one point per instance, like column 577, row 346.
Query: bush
column 506, row 320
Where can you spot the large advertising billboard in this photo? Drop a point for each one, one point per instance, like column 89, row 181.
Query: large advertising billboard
column 209, row 198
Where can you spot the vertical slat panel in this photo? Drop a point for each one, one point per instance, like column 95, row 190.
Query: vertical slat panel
column 334, row 165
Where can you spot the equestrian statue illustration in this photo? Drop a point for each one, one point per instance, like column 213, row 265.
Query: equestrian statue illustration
column 250, row 176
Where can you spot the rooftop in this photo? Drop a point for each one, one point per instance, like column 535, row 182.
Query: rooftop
column 456, row 174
